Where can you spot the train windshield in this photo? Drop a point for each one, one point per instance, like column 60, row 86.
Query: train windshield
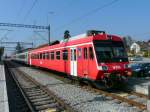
column 110, row 52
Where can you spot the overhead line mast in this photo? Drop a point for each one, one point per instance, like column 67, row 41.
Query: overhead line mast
column 29, row 26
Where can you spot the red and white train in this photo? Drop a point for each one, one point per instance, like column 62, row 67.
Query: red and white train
column 95, row 56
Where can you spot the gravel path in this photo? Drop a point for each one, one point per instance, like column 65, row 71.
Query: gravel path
column 81, row 100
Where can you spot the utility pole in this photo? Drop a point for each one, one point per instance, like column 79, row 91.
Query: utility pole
column 49, row 28
column 49, row 35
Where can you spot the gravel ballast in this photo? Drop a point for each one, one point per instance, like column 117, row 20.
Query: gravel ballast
column 81, row 100
column 139, row 85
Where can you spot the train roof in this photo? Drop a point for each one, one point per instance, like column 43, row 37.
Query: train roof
column 82, row 38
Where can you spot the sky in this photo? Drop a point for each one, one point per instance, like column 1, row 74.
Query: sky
column 119, row 17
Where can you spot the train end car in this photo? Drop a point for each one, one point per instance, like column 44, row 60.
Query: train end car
column 94, row 56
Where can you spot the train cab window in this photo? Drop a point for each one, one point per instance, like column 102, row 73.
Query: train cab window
column 65, row 54
column 52, row 55
column 85, row 53
column 91, row 55
column 58, row 55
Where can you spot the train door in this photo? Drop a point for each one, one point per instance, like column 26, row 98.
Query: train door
column 30, row 58
column 73, row 61
column 85, row 62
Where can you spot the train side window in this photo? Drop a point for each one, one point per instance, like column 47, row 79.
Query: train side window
column 43, row 55
column 35, row 56
column 71, row 55
column 32, row 56
column 65, row 54
column 85, row 53
column 91, row 55
column 52, row 55
column 58, row 55
column 40, row 55
column 75, row 55
column 47, row 55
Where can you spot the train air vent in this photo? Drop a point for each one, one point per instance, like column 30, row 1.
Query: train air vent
column 94, row 32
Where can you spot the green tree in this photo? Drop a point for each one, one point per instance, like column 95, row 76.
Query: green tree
column 19, row 48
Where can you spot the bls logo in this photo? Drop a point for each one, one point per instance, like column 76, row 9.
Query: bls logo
column 116, row 67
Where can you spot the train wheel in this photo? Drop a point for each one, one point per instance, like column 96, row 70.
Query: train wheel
column 108, row 83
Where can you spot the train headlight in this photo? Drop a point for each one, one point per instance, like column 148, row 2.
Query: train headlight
column 104, row 68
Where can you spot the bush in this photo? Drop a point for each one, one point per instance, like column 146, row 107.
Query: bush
column 146, row 54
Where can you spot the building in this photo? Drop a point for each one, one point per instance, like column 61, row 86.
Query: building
column 135, row 48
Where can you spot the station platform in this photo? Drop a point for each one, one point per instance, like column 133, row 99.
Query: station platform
column 4, row 107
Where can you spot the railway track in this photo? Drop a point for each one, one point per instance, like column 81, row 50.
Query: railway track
column 124, row 96
column 128, row 97
column 17, row 102
column 37, row 97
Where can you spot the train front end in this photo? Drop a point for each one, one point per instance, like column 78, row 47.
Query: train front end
column 112, row 60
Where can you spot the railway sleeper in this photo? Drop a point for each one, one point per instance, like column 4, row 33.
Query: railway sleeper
column 42, row 107
column 35, row 94
column 40, row 96
column 51, row 110
column 32, row 88
column 44, row 102
column 38, row 91
column 41, row 99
